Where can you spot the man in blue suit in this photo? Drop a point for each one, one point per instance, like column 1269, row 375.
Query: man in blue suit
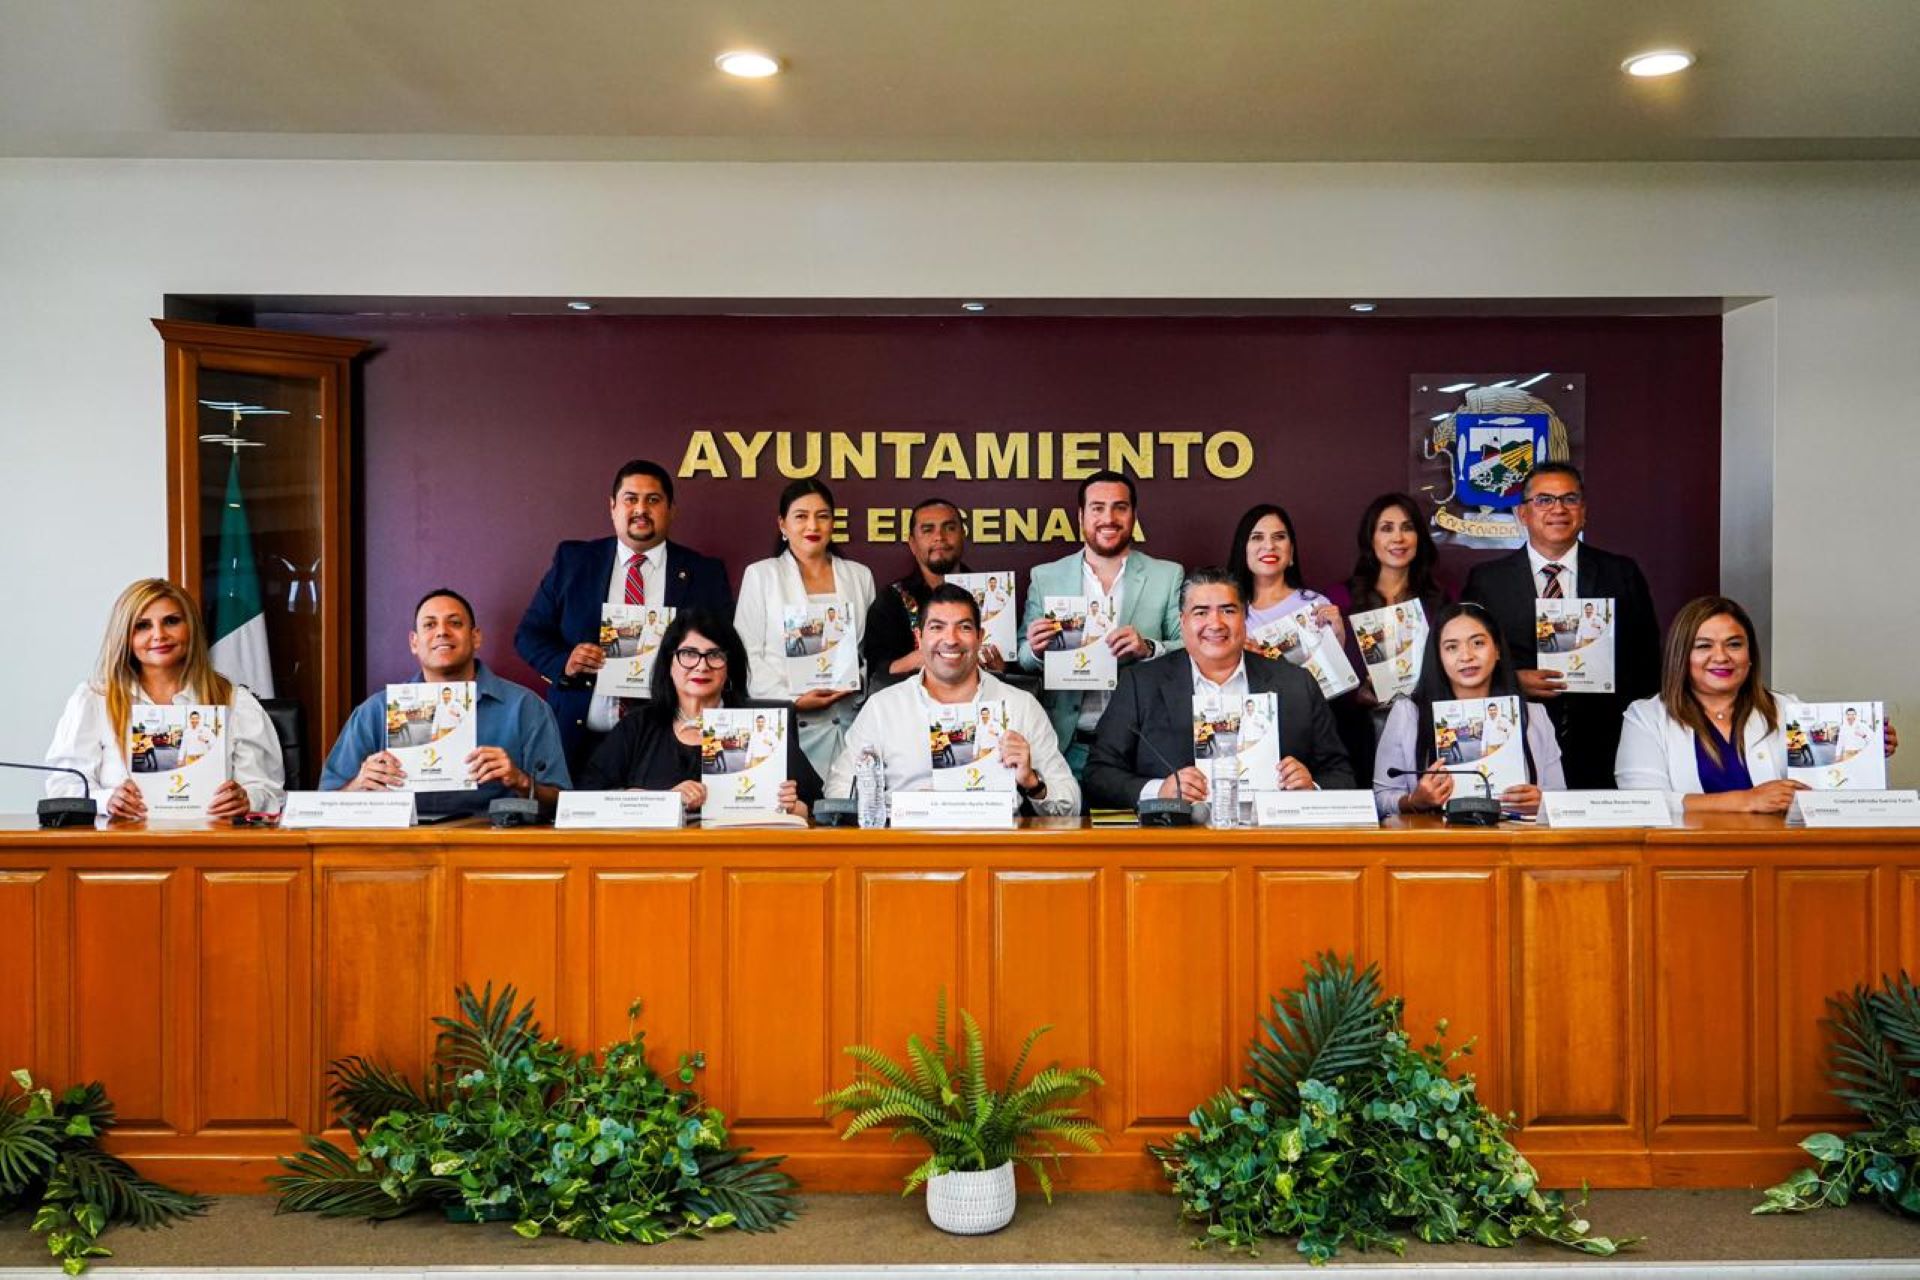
column 1106, row 569
column 560, row 632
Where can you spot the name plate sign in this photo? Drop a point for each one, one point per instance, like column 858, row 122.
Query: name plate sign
column 1568, row 809
column 1855, row 809
column 1314, row 809
column 954, row 810
column 353, row 810
column 620, row 811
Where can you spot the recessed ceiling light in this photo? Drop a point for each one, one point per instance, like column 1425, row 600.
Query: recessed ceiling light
column 973, row 306
column 1660, row 62
column 748, row 64
column 1361, row 307
column 579, row 306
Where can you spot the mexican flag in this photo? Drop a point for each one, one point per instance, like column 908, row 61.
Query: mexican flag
column 239, row 619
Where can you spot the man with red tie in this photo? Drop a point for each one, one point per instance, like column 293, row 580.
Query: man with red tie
column 559, row 634
column 1554, row 564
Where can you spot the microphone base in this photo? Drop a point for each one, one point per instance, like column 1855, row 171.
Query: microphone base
column 1165, row 813
column 514, row 811
column 836, row 813
column 67, row 811
column 1473, row 811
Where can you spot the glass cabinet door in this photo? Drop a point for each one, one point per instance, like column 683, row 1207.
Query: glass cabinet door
column 258, row 451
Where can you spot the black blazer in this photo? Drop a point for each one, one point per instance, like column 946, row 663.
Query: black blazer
column 1154, row 700
column 642, row 752
column 566, row 611
column 1588, row 724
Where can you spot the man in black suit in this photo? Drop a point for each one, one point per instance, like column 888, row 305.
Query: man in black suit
column 1143, row 747
column 1556, row 563
column 559, row 634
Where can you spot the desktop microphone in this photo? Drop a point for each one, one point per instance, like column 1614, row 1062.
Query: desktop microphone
column 1158, row 812
column 1463, row 811
column 62, row 811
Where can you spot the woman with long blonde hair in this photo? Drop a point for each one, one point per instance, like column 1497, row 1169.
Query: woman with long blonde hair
column 155, row 653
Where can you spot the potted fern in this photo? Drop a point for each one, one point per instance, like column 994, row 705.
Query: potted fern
column 976, row 1133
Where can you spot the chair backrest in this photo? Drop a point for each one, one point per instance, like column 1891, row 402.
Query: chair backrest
column 290, row 723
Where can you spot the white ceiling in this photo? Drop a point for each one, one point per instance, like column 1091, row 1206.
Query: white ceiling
column 959, row 79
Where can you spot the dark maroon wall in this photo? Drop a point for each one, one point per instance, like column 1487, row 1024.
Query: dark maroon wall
column 486, row 440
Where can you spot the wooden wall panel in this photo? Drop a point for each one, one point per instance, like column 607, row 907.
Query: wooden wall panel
column 1826, row 943
column 1300, row 915
column 508, row 927
column 1046, row 969
column 1446, row 953
column 124, row 1004
column 254, row 1011
column 24, row 979
column 1907, row 928
column 381, row 972
column 1575, row 999
column 643, row 945
column 1703, row 978
column 911, row 947
column 778, row 996
column 1179, row 1020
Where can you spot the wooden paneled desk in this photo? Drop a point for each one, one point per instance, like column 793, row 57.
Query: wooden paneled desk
column 1647, row 1004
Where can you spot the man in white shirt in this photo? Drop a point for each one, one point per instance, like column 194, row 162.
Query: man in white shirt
column 198, row 740
column 1496, row 731
column 894, row 721
column 1855, row 736
column 448, row 715
column 1592, row 626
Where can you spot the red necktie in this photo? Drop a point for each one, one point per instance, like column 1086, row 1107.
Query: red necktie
column 1551, row 591
column 637, row 587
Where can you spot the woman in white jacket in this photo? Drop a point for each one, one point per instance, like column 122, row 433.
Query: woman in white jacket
column 802, row 571
column 1715, row 733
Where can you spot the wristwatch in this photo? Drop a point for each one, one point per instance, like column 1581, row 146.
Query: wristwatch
column 1152, row 648
column 1038, row 793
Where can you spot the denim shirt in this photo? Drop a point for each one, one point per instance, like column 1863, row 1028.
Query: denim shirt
column 510, row 717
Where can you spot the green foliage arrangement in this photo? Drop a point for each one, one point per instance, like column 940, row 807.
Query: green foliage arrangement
column 510, row 1125
column 50, row 1159
column 1876, row 1059
column 1350, row 1134
column 942, row 1096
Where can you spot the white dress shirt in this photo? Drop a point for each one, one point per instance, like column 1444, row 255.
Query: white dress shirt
column 1399, row 749
column 604, row 712
column 1233, row 688
column 1569, row 581
column 1094, row 702
column 894, row 722
column 84, row 741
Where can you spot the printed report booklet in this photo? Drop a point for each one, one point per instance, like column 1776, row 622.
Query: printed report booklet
column 630, row 636
column 821, row 648
column 1482, row 735
column 1393, row 641
column 431, row 730
column 999, row 618
column 178, row 756
column 1301, row 639
column 1837, row 746
column 1247, row 728
column 1078, row 657
column 963, row 740
column 1574, row 636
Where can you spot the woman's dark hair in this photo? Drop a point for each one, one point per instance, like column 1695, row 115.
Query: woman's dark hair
column 1237, row 553
column 1434, row 686
column 1363, row 587
column 1676, row 675
column 715, row 627
column 792, row 494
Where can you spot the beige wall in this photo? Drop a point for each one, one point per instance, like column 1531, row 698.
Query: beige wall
column 1820, row 459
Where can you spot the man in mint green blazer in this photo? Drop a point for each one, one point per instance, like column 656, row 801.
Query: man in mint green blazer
column 1106, row 568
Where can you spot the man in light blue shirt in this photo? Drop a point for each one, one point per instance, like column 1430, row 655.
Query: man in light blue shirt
column 1140, row 593
column 519, row 752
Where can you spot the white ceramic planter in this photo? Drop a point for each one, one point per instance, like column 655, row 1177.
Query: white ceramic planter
column 971, row 1204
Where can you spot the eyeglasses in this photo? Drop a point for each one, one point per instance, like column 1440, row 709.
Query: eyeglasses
column 1548, row 501
column 689, row 658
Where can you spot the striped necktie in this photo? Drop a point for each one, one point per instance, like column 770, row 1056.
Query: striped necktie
column 1551, row 591
column 637, row 587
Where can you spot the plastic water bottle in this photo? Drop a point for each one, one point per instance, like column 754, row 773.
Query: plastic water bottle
column 1223, row 791
column 870, row 788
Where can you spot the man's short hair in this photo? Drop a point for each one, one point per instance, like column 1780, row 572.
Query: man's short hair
column 1552, row 469
column 913, row 516
column 1213, row 575
column 1106, row 477
column 642, row 467
column 952, row 593
column 450, row 594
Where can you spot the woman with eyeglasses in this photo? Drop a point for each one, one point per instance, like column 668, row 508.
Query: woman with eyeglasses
column 702, row 664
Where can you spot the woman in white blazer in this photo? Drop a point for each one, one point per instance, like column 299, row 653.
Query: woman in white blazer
column 1716, row 734
column 803, row 569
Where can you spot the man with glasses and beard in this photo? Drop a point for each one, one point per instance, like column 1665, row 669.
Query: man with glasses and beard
column 1556, row 563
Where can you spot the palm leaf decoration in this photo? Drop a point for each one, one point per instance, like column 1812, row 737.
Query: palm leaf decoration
column 941, row 1096
column 328, row 1181
column 1870, row 1080
column 101, row 1179
column 752, row 1191
column 363, row 1091
column 1329, row 1025
column 487, row 1031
